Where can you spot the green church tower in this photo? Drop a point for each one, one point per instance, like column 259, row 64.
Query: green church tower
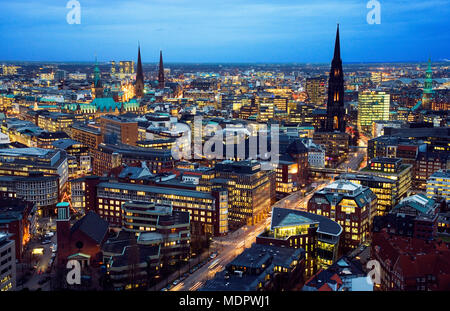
column 427, row 97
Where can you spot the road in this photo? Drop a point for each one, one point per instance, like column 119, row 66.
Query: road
column 42, row 264
column 232, row 245
column 228, row 248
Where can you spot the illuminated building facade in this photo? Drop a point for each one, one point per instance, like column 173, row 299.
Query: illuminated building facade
column 208, row 210
column 54, row 121
column 35, row 188
column 315, row 88
column 87, row 135
column 265, row 106
column 18, row 218
column 7, row 263
column 427, row 97
column 22, row 161
column 384, row 188
column 351, row 206
column 372, row 106
column 336, row 146
column 251, row 191
column 316, row 234
column 116, row 129
column 415, row 216
column 292, row 170
column 163, row 238
column 107, row 157
column 439, row 185
column 394, row 169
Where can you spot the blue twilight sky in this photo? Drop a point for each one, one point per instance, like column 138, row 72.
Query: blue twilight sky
column 224, row 30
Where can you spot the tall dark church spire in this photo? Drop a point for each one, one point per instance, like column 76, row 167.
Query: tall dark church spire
column 335, row 104
column 337, row 46
column 139, row 86
column 161, row 81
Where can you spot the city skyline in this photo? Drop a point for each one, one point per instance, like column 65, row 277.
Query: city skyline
column 254, row 32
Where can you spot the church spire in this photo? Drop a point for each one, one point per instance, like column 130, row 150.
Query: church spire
column 139, row 86
column 337, row 46
column 161, row 81
column 335, row 105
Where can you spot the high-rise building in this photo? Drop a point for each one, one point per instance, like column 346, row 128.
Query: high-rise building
column 139, row 85
column 394, row 169
column 251, row 190
column 315, row 88
column 335, row 104
column 264, row 102
column 372, row 106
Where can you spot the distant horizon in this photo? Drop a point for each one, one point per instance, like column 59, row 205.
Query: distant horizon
column 232, row 31
column 219, row 63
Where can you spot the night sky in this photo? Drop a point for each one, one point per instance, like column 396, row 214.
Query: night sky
column 278, row 31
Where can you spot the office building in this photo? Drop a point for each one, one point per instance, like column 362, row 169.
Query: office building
column 116, row 129
column 384, row 188
column 22, row 161
column 87, row 135
column 351, row 206
column 316, row 234
column 19, row 219
column 336, row 146
column 315, row 88
column 261, row 268
column 251, row 191
column 394, row 169
column 7, row 263
column 372, row 106
column 439, row 185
